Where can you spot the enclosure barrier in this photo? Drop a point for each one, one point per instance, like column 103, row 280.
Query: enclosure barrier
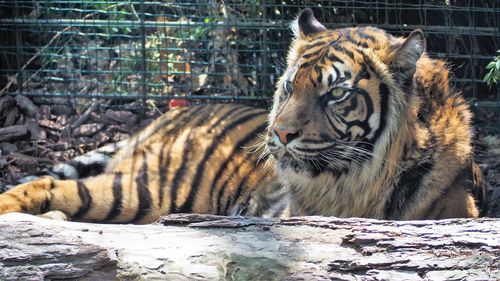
column 231, row 51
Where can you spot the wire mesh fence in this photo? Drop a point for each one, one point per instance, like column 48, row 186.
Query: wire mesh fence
column 213, row 50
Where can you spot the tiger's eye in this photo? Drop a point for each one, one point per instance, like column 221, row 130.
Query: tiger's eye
column 338, row 92
column 288, row 86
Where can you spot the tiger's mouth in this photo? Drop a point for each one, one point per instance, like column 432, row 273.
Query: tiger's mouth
column 303, row 166
column 309, row 162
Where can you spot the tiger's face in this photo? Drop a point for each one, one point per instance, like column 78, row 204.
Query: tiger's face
column 333, row 103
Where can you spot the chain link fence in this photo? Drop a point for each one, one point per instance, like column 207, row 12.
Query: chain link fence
column 231, row 51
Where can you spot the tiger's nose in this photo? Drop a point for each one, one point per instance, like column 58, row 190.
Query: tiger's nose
column 286, row 135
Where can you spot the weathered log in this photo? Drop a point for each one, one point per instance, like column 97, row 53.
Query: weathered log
column 204, row 247
column 87, row 130
column 27, row 105
column 36, row 132
column 27, row 160
column 50, row 124
column 11, row 117
column 84, row 117
column 13, row 132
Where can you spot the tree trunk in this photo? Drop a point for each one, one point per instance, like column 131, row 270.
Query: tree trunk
column 206, row 247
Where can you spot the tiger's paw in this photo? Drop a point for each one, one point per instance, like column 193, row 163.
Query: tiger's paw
column 30, row 197
column 55, row 215
column 10, row 204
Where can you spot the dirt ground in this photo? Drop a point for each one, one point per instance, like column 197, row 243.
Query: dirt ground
column 34, row 138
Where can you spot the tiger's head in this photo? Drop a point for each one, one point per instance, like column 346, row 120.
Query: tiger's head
column 342, row 97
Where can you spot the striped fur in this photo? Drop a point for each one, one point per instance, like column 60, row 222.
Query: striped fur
column 363, row 124
column 190, row 160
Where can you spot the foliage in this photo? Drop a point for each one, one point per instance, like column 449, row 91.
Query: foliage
column 493, row 68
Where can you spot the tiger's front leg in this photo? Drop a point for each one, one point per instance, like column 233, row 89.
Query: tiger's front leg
column 113, row 197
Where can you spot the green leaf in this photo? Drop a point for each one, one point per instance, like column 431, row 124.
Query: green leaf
column 490, row 65
column 497, row 64
column 487, row 77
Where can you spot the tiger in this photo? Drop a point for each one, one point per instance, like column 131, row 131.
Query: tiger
column 362, row 124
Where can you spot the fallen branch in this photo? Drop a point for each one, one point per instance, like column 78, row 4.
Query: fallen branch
column 27, row 105
column 205, row 247
column 84, row 116
column 13, row 132
column 29, row 159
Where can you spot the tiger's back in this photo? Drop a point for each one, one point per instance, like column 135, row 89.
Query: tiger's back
column 201, row 159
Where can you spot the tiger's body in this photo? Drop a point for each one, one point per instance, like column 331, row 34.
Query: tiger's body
column 363, row 124
column 190, row 160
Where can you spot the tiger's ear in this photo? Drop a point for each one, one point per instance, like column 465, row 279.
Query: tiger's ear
column 306, row 24
column 404, row 58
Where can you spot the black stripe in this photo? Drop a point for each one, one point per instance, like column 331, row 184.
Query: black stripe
column 348, row 107
column 320, row 74
column 330, row 80
column 230, row 201
column 364, row 45
column 337, row 130
column 227, row 114
column 187, row 206
column 313, row 82
column 315, row 53
column 182, row 169
column 351, row 40
column 312, row 150
column 408, row 185
column 52, row 184
column 163, row 170
column 333, row 58
column 143, row 193
column 327, row 34
column 361, row 33
column 44, row 208
column 363, row 74
column 319, row 43
column 179, row 174
column 86, row 170
column 321, row 53
column 441, row 212
column 431, row 209
column 164, row 163
column 347, row 75
column 432, row 206
column 337, row 77
column 242, row 143
column 384, row 100
column 85, row 197
column 371, row 66
column 343, row 50
column 116, row 209
column 186, row 115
